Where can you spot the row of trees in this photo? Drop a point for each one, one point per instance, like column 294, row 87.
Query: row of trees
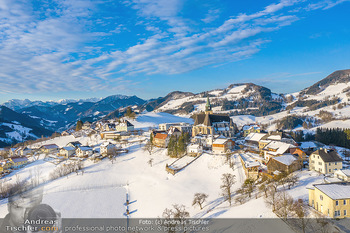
column 338, row 136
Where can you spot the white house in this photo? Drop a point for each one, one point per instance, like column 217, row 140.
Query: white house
column 67, row 151
column 325, row 161
column 84, row 151
column 343, row 174
column 124, row 126
column 194, row 149
column 107, row 148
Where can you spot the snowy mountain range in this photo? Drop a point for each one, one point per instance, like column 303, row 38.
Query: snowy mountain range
column 324, row 102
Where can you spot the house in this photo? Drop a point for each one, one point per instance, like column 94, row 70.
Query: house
column 86, row 125
column 301, row 155
column 174, row 132
column 276, row 148
column 221, row 145
column 194, row 149
column 250, row 165
column 204, row 140
column 13, row 152
column 108, row 127
column 67, row 151
column 25, row 151
column 252, row 128
column 182, row 127
column 18, row 162
column 284, row 163
column 111, row 135
column 253, row 139
column 74, row 144
column 343, row 174
column 5, row 165
column 161, row 140
column 107, row 148
column 84, row 151
column 49, row 148
column 331, row 199
column 325, row 161
column 124, row 126
column 209, row 123
column 309, row 147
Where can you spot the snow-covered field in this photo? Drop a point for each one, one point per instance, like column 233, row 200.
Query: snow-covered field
column 152, row 119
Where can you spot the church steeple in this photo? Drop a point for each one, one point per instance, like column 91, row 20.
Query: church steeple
column 208, row 107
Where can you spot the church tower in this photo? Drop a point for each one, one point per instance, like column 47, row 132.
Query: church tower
column 208, row 109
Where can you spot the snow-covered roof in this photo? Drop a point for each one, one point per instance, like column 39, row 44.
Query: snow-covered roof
column 255, row 137
column 221, row 141
column 335, row 191
column 68, row 148
column 287, row 159
column 249, row 161
column 50, row 146
column 274, row 137
column 85, row 148
column 19, row 159
column 345, row 172
column 280, row 147
column 306, row 145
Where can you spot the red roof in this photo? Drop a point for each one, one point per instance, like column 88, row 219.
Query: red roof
column 161, row 136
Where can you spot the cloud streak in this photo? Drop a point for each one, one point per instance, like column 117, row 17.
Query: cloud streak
column 65, row 45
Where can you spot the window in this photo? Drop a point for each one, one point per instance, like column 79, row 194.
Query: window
column 330, row 170
column 344, row 212
column 321, row 197
column 335, row 163
column 329, row 164
column 344, row 202
column 337, row 213
column 336, row 203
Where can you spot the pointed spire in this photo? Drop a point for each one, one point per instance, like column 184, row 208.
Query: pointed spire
column 208, row 106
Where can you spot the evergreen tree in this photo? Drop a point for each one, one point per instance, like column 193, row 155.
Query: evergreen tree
column 79, row 125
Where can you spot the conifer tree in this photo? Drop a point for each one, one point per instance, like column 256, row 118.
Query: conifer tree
column 79, row 125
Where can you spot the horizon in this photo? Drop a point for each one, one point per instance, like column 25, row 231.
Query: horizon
column 57, row 100
column 85, row 49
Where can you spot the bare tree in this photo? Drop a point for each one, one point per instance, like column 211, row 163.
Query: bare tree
column 271, row 195
column 199, row 199
column 291, row 180
column 227, row 181
column 240, row 199
column 299, row 208
column 284, row 204
column 178, row 213
column 248, row 186
column 263, row 188
column 148, row 147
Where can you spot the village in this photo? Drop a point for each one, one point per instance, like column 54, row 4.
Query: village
column 269, row 160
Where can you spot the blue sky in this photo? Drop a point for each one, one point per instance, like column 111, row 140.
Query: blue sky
column 62, row 49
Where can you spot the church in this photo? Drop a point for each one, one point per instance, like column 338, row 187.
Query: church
column 208, row 123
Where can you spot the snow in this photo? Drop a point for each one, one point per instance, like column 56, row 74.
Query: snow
column 255, row 136
column 335, row 191
column 285, row 159
column 151, row 119
column 306, row 145
column 280, row 147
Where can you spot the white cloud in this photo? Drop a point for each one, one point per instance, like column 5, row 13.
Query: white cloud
column 52, row 47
